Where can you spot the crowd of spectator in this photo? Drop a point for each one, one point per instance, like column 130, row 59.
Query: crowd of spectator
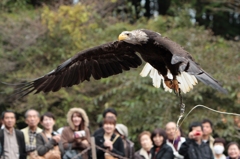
column 111, row 139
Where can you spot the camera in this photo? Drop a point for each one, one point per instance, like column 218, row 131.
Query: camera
column 79, row 134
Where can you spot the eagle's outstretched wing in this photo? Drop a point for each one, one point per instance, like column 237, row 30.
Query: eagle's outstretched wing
column 99, row 62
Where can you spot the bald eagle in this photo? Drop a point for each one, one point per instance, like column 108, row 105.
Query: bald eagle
column 167, row 62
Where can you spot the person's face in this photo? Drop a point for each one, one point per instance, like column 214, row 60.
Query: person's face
column 207, row 130
column 32, row 118
column 158, row 140
column 199, row 131
column 48, row 123
column 110, row 115
column 171, row 131
column 218, row 148
column 76, row 119
column 109, row 128
column 233, row 151
column 146, row 142
column 9, row 120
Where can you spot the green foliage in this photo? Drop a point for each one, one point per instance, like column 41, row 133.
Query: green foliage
column 72, row 20
column 32, row 46
column 220, row 16
column 14, row 5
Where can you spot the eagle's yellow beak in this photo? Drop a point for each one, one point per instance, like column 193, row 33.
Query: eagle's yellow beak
column 122, row 37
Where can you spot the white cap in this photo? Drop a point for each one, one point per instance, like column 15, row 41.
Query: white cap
column 122, row 129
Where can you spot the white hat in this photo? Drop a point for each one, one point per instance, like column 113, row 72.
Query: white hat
column 122, row 129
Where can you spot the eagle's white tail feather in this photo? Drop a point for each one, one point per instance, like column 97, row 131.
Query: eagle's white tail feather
column 180, row 85
column 187, row 85
column 156, row 79
column 151, row 74
column 146, row 69
column 186, row 81
column 192, row 79
column 195, row 80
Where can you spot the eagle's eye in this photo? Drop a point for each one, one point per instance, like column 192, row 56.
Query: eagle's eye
column 127, row 34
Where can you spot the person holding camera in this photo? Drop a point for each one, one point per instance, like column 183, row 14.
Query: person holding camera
column 48, row 139
column 76, row 136
column 194, row 147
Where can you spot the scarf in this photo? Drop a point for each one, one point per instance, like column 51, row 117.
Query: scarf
column 175, row 142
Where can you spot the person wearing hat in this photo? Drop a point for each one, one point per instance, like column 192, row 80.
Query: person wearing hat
column 122, row 130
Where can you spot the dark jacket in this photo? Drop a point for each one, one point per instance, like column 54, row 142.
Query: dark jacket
column 138, row 156
column 42, row 146
column 191, row 150
column 118, row 147
column 230, row 158
column 165, row 152
column 20, row 141
column 142, row 154
column 98, row 132
column 129, row 149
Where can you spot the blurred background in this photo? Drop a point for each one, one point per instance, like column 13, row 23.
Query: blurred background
column 37, row 35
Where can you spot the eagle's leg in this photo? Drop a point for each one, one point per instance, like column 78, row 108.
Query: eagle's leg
column 175, row 86
column 168, row 82
column 172, row 84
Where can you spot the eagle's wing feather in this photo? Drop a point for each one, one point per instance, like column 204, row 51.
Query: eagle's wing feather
column 186, row 62
column 99, row 62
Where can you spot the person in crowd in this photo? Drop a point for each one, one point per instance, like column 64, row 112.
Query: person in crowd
column 207, row 132
column 146, row 144
column 174, row 139
column 0, row 148
column 32, row 119
column 194, row 147
column 109, row 112
column 218, row 148
column 47, row 120
column 1, row 125
column 11, row 139
column 109, row 140
column 76, row 135
column 122, row 130
column 160, row 149
column 59, row 131
column 233, row 150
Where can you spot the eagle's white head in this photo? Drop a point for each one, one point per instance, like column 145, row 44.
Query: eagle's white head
column 133, row 37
